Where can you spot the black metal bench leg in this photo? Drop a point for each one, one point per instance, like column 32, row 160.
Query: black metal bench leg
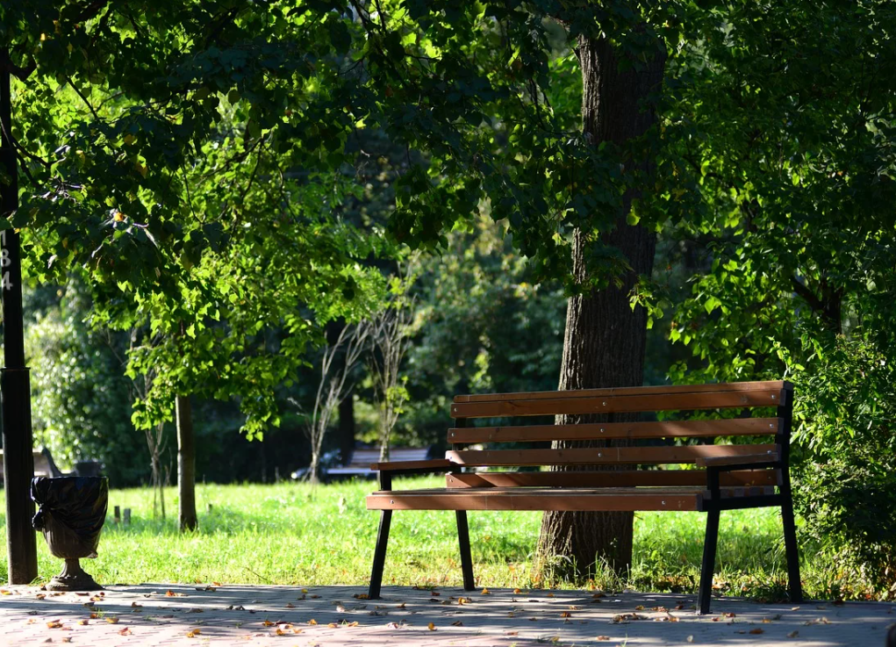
column 790, row 547
column 709, row 559
column 379, row 555
column 466, row 559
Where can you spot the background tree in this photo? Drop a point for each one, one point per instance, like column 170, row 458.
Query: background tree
column 334, row 386
column 390, row 341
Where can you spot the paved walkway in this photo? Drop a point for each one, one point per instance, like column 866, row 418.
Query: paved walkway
column 167, row 615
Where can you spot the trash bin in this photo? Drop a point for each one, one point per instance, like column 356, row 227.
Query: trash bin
column 71, row 516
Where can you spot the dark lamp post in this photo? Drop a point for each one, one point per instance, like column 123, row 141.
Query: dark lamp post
column 15, row 385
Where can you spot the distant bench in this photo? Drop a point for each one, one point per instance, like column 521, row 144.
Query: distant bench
column 360, row 463
column 44, row 465
column 732, row 476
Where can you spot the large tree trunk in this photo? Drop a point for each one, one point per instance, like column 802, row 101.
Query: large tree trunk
column 605, row 339
column 186, row 464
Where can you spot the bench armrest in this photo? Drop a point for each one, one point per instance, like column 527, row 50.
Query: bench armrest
column 743, row 461
column 434, row 465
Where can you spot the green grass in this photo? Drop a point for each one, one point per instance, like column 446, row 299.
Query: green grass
column 296, row 534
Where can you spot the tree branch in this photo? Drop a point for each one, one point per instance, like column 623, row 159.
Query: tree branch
column 84, row 99
column 807, row 295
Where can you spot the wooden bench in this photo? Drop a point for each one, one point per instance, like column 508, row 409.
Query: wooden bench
column 636, row 477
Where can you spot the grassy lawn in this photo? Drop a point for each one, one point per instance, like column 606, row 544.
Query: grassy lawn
column 295, row 534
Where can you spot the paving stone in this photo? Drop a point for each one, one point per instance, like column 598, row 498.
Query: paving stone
column 163, row 615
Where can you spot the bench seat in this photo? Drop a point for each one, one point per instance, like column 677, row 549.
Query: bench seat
column 546, row 498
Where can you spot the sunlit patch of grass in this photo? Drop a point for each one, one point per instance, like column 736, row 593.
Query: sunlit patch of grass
column 298, row 534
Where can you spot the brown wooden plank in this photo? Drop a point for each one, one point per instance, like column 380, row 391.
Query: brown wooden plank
column 632, row 390
column 654, row 478
column 434, row 464
column 600, row 456
column 580, row 500
column 712, row 461
column 615, row 404
column 666, row 429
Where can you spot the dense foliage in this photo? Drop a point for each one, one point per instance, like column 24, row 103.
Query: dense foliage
column 222, row 175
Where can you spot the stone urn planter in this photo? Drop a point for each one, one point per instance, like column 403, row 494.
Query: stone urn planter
column 71, row 516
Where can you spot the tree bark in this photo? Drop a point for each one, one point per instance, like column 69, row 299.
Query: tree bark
column 605, row 339
column 186, row 464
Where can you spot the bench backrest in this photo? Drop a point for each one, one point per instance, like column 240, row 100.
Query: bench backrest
column 607, row 403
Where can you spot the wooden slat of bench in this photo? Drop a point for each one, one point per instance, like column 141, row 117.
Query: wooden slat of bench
column 659, row 478
column 632, row 390
column 668, row 429
column 548, row 499
column 562, row 404
column 600, row 456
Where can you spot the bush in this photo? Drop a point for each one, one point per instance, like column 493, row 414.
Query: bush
column 845, row 485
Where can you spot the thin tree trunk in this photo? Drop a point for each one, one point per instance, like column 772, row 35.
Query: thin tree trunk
column 186, row 464
column 604, row 341
column 346, row 429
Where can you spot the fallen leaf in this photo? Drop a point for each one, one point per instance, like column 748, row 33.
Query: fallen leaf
column 550, row 595
column 312, row 622
column 457, row 623
column 512, row 633
column 486, row 592
column 435, row 594
column 193, row 633
column 793, row 634
column 332, row 625
column 431, row 627
column 112, row 620
column 361, row 596
column 83, row 622
column 290, row 605
column 517, row 591
column 268, row 623
column 602, row 638
column 171, row 594
column 566, row 614
column 66, row 639
column 757, row 631
column 126, row 632
column 41, row 596
column 54, row 624
column 640, row 607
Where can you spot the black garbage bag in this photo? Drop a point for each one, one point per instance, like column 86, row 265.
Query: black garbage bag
column 71, row 514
